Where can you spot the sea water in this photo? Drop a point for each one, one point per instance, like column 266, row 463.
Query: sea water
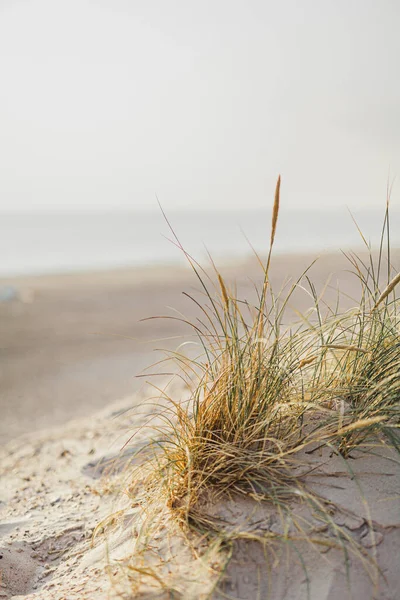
column 51, row 242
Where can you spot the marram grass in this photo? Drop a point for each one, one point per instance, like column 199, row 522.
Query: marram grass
column 242, row 424
column 257, row 384
column 262, row 393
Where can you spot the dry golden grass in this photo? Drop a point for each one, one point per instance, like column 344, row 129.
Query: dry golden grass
column 261, row 393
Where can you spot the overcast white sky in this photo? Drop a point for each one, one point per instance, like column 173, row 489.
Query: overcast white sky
column 105, row 103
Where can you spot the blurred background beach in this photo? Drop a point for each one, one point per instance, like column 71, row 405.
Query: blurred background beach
column 107, row 107
column 74, row 289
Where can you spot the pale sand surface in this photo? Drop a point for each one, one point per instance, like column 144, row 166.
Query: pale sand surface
column 56, row 490
column 51, row 501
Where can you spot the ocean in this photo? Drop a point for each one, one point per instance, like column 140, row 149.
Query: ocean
column 53, row 242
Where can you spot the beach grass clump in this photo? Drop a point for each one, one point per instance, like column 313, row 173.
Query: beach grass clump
column 264, row 395
column 261, row 391
column 242, row 425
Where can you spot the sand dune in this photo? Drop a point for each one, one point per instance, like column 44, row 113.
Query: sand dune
column 57, row 486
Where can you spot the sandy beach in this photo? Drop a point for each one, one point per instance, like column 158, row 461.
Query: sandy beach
column 71, row 346
column 72, row 343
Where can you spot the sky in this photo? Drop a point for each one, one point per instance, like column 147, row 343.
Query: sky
column 106, row 104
